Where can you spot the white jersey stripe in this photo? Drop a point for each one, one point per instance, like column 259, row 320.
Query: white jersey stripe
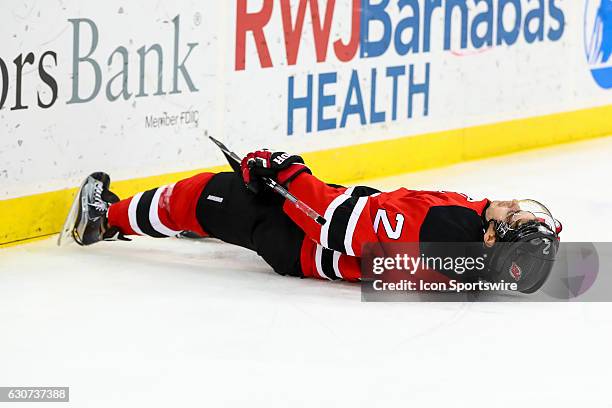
column 132, row 214
column 154, row 215
column 329, row 212
column 349, row 191
column 319, row 266
column 352, row 224
column 336, row 264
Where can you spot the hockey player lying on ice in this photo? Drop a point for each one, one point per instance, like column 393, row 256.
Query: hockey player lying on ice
column 238, row 209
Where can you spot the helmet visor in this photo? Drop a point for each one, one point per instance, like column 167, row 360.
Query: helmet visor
column 540, row 212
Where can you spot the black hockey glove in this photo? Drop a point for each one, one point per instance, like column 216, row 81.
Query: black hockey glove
column 279, row 166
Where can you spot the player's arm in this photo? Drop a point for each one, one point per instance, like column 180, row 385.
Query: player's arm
column 347, row 211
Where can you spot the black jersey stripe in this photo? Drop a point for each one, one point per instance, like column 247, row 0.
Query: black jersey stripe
column 339, row 223
column 338, row 215
column 329, row 214
column 327, row 264
column 142, row 215
column 363, row 191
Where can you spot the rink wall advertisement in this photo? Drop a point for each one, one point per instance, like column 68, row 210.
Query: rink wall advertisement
column 362, row 88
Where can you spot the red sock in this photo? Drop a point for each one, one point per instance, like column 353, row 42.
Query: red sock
column 161, row 212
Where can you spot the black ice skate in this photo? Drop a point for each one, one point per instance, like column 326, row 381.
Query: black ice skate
column 87, row 220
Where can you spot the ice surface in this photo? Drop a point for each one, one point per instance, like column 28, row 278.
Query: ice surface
column 174, row 323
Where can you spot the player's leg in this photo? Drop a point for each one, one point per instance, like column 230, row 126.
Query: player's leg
column 161, row 212
column 228, row 211
column 216, row 205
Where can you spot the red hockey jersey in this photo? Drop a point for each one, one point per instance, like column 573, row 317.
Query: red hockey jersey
column 361, row 215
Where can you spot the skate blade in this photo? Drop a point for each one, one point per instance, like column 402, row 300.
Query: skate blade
column 65, row 235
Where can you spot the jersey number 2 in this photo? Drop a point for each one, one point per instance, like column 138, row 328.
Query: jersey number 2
column 381, row 215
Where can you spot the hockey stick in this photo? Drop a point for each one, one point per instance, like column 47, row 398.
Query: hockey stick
column 234, row 162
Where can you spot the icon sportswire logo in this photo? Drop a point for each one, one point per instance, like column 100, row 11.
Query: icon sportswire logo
column 598, row 40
